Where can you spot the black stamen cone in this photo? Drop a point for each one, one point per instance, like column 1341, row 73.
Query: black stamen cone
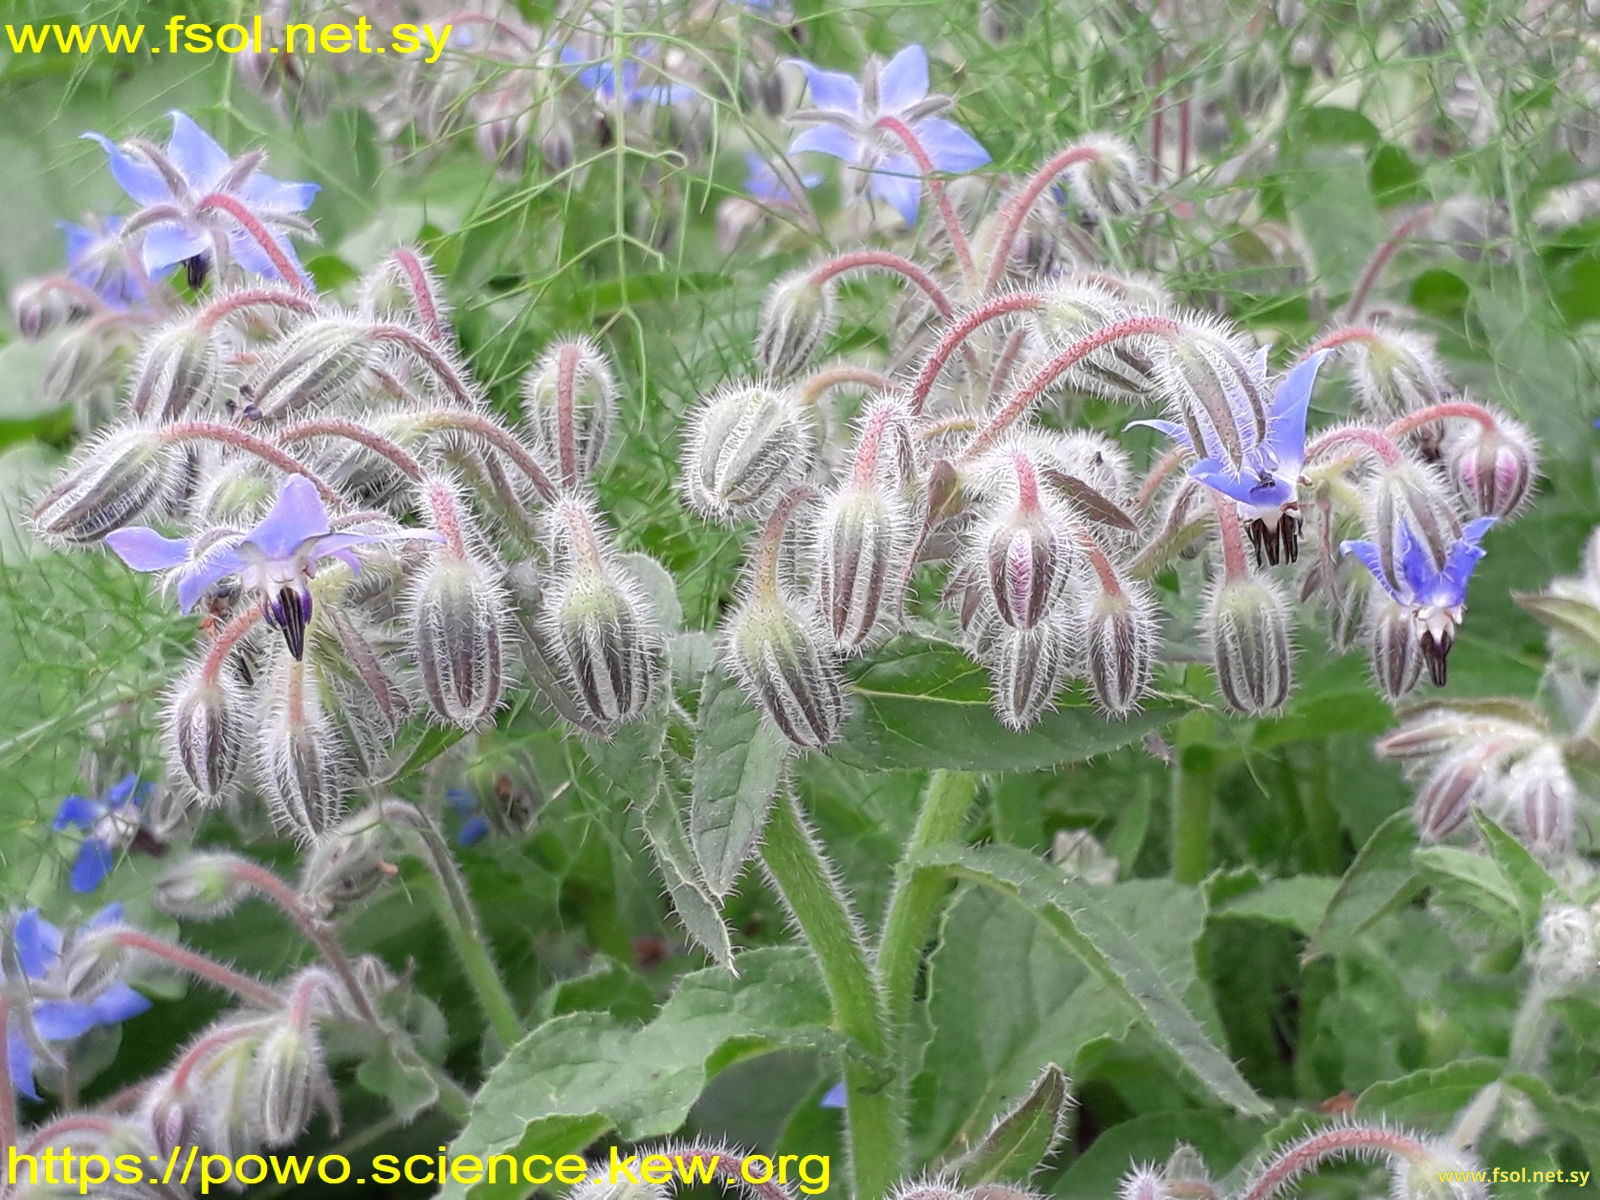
column 1436, row 654
column 290, row 611
column 195, row 270
column 1275, row 543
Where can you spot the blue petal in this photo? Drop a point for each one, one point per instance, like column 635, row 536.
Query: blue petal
column 92, row 865
column 903, row 192
column 168, row 243
column 1169, row 429
column 80, row 240
column 273, row 195
column 339, row 544
column 118, row 1003
column 217, row 564
column 19, row 1058
column 1286, row 423
column 1462, row 561
column 297, row 516
column 827, row 139
column 1474, row 529
column 248, row 253
column 38, row 944
column 1220, row 477
column 1416, row 565
column 196, row 153
column 831, row 90
column 111, row 914
column 62, row 1020
column 123, row 790
column 140, row 179
column 473, row 831
column 78, row 812
column 461, row 801
column 950, row 147
column 1367, row 554
column 143, row 549
column 834, row 1097
column 903, row 80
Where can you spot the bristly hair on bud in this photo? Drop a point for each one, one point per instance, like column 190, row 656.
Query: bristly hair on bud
column 1396, row 372
column 285, row 1078
column 1118, row 635
column 776, row 652
column 122, row 474
column 1246, row 624
column 178, row 367
column 1392, row 645
column 862, row 538
column 1542, row 802
column 206, row 721
column 746, row 446
column 405, row 285
column 1028, row 668
column 299, row 756
column 1143, row 1182
column 798, row 316
column 1025, row 548
column 201, row 887
column 569, row 398
column 1076, row 307
column 315, row 366
column 1492, row 470
column 1111, row 183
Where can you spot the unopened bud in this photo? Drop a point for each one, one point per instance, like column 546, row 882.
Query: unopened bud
column 205, row 729
column 1392, row 645
column 1028, row 667
column 1119, row 638
column 1073, row 310
column 303, row 764
column 313, row 367
column 1110, row 183
column 747, row 446
column 1141, row 1183
column 346, row 865
column 112, row 482
column 42, row 305
column 569, row 399
column 86, row 359
column 1445, row 800
column 1568, row 952
column 779, row 661
column 504, row 119
column 456, row 620
column 599, row 629
column 201, row 887
column 1247, row 626
column 1543, row 801
column 862, row 538
column 1492, row 469
column 179, row 367
column 282, row 1083
column 799, row 315
column 1396, row 372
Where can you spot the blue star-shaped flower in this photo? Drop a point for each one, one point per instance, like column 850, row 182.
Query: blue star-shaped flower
column 55, row 1013
column 601, row 79
column 847, row 115
column 766, row 186
column 112, row 822
column 276, row 559
column 1434, row 593
column 1265, row 481
column 98, row 259
column 180, row 224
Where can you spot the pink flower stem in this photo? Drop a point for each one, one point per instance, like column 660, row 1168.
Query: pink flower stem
column 1436, row 412
column 501, row 439
column 76, row 1122
column 342, row 427
column 1110, row 584
column 224, row 642
column 566, row 416
column 1379, row 444
column 1000, row 377
column 226, row 305
column 947, row 211
column 813, row 387
column 1231, row 534
column 1016, row 209
column 1380, row 260
column 1165, row 465
column 421, row 289
column 861, row 259
column 198, row 965
column 1024, row 396
column 1339, row 337
column 232, row 435
column 430, row 357
column 446, row 520
column 287, row 270
column 958, row 333
column 1342, row 1141
column 197, row 1053
column 880, row 420
column 764, row 563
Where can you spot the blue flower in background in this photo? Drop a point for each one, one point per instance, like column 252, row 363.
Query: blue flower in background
column 845, row 116
column 767, row 186
column 56, row 1014
column 112, row 822
column 179, row 220
column 601, row 79
column 98, row 259
column 276, row 559
column 474, row 825
column 1434, row 592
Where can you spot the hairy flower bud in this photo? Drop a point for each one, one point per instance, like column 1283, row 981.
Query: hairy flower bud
column 1492, row 469
column 1396, row 372
column 1028, row 667
column 1392, row 646
column 1110, row 184
column 1543, row 801
column 301, row 761
column 41, row 305
column 205, row 730
column 1568, row 952
column 86, row 359
column 283, row 1081
column 1247, row 627
column 746, row 446
column 569, row 399
column 457, row 634
column 1118, row 635
column 599, row 629
column 113, row 481
column 779, row 661
column 862, row 539
column 178, row 367
column 313, row 367
column 201, row 887
column 797, row 318
column 504, row 117
column 1076, row 308
column 1446, row 798
column 346, row 865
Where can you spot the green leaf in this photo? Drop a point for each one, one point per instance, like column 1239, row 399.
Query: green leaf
column 738, row 765
column 1019, row 1142
column 1077, row 916
column 1526, row 875
column 691, row 900
column 1382, row 877
column 923, row 704
column 1467, row 878
column 578, row 1076
column 1222, row 1141
column 1429, row 1097
column 658, row 587
column 1297, row 903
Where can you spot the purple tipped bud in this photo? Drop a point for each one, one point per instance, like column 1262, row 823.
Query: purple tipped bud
column 747, row 446
column 86, row 359
column 202, row 887
column 1448, row 794
column 302, row 762
column 798, row 317
column 456, row 621
column 206, row 731
column 1492, row 469
column 1247, row 626
column 114, row 481
column 781, row 664
column 41, row 306
column 1543, row 801
column 862, row 538
column 569, row 400
column 1028, row 667
column 504, row 119
column 599, row 629
column 1393, row 647
column 1119, row 637
column 283, row 1080
column 315, row 366
column 1026, row 562
column 178, row 368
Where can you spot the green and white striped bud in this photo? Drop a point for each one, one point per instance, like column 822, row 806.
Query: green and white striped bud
column 798, row 316
column 1118, row 634
column 317, row 365
column 205, row 731
column 113, row 481
column 301, row 762
column 1028, row 668
column 862, row 538
column 599, row 629
column 457, row 623
column 569, row 398
column 283, row 1082
column 747, row 445
column 178, row 367
column 778, row 657
column 202, row 887
column 1246, row 625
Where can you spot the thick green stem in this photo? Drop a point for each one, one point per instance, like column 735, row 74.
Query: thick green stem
column 877, row 1135
column 1192, row 782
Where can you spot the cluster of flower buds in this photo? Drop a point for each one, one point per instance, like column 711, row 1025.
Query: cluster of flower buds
column 1048, row 536
column 363, row 536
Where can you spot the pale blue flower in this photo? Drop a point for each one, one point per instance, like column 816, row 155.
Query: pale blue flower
column 766, row 186
column 112, row 822
column 100, row 260
column 846, row 116
column 600, row 77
